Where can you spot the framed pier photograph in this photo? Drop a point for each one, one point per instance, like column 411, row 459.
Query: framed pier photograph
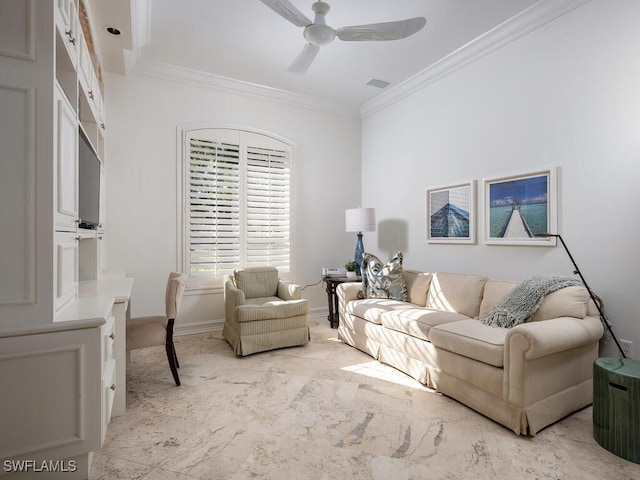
column 519, row 208
column 451, row 214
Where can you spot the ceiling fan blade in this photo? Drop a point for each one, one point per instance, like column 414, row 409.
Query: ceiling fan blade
column 304, row 59
column 381, row 31
column 287, row 10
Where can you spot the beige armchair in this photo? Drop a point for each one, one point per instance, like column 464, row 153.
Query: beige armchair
column 262, row 312
column 154, row 331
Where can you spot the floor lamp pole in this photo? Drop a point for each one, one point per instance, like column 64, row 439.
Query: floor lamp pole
column 597, row 304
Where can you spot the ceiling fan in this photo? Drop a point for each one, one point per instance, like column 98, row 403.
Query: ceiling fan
column 318, row 33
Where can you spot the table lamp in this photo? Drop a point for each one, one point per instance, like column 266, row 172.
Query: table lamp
column 360, row 220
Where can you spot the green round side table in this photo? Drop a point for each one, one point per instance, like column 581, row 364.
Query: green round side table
column 616, row 406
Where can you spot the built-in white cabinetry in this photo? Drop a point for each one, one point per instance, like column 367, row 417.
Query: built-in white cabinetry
column 66, row 162
column 65, row 274
column 102, row 252
column 61, row 373
column 51, row 396
column 68, row 25
column 90, row 101
column 92, row 253
column 78, row 106
column 108, row 372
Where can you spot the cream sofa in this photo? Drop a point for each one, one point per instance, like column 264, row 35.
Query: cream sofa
column 525, row 377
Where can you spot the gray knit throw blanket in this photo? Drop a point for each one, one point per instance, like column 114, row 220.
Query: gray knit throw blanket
column 523, row 301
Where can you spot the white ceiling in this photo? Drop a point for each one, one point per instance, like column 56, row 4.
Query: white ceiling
column 247, row 41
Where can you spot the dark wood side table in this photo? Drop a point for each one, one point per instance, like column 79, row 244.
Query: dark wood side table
column 332, row 282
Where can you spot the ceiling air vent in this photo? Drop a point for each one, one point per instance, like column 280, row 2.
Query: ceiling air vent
column 374, row 82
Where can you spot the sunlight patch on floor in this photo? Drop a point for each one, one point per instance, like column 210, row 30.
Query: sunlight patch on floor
column 375, row 369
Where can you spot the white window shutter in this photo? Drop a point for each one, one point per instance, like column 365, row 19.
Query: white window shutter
column 238, row 202
column 214, row 208
column 268, row 210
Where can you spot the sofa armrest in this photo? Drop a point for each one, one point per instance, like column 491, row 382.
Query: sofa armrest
column 233, row 296
column 289, row 291
column 538, row 339
column 271, row 310
column 545, row 358
column 348, row 291
column 345, row 293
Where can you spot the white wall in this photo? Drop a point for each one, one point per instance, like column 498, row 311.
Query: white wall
column 142, row 116
column 567, row 95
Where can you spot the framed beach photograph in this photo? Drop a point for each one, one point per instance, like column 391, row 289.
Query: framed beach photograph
column 518, row 209
column 451, row 214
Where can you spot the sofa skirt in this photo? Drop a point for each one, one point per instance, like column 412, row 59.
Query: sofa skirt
column 260, row 341
column 359, row 341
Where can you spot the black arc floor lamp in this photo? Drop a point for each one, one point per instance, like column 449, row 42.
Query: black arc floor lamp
column 579, row 273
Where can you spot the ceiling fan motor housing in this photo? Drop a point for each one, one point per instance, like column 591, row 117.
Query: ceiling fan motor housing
column 319, row 33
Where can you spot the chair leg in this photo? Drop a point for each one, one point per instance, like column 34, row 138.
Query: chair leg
column 171, row 356
column 171, row 353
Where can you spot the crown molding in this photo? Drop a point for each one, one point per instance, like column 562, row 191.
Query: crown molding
column 527, row 21
column 135, row 64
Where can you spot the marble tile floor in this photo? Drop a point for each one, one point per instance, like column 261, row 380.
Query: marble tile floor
column 323, row 411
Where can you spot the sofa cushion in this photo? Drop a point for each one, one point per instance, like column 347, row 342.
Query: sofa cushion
column 371, row 309
column 494, row 293
column 383, row 280
column 566, row 302
column 455, row 292
column 525, row 299
column 417, row 286
column 472, row 339
column 418, row 322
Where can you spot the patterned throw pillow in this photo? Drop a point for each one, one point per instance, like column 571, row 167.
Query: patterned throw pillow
column 383, row 281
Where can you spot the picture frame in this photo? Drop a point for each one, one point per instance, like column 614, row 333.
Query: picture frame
column 451, row 214
column 518, row 209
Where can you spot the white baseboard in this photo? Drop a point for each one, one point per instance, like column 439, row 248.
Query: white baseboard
column 319, row 312
column 198, row 327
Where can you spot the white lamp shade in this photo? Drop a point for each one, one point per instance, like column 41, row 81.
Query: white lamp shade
column 360, row 220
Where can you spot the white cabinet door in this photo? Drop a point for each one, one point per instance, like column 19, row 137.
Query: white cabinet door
column 65, row 281
column 67, row 23
column 85, row 65
column 51, row 395
column 66, row 163
column 102, row 253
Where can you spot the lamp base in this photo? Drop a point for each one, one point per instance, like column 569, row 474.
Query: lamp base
column 358, row 254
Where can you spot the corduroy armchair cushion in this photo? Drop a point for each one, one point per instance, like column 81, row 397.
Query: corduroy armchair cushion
column 275, row 309
column 257, row 281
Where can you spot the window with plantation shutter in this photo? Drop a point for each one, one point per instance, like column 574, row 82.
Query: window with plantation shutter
column 267, row 207
column 237, row 197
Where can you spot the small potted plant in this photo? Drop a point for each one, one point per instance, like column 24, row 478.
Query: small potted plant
column 351, row 267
